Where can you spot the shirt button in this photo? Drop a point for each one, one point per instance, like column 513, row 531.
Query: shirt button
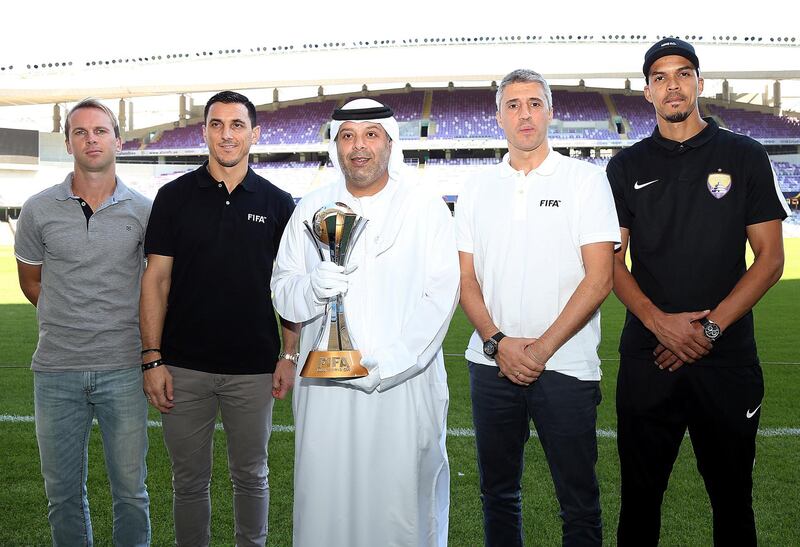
column 219, row 185
column 83, row 204
column 227, row 203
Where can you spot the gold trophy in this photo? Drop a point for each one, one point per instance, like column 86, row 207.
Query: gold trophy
column 336, row 226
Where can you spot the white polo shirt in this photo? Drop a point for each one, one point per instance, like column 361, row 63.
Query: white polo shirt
column 525, row 233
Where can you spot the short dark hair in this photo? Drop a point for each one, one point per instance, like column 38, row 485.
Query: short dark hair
column 231, row 97
column 91, row 103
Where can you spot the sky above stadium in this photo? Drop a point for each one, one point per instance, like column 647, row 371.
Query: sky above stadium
column 41, row 31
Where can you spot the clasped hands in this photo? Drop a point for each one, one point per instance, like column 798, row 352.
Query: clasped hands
column 521, row 360
column 681, row 339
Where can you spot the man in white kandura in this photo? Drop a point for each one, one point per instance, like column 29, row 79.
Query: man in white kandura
column 370, row 460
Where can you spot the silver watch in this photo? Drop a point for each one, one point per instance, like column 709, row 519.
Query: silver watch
column 293, row 357
column 710, row 329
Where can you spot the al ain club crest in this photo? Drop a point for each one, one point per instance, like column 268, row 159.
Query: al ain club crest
column 719, row 184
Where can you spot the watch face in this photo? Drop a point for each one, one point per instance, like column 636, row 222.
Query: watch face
column 711, row 330
column 490, row 347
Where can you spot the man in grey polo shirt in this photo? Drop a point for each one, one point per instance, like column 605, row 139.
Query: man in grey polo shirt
column 80, row 259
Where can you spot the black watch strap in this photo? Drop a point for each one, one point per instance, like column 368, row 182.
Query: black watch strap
column 491, row 344
column 710, row 329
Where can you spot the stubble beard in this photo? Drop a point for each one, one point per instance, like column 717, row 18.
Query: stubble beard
column 368, row 175
column 677, row 117
column 229, row 163
column 361, row 178
column 233, row 162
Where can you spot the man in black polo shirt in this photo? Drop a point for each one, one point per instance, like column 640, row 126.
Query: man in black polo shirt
column 207, row 316
column 688, row 199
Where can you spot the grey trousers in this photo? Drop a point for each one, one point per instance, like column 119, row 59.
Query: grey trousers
column 245, row 402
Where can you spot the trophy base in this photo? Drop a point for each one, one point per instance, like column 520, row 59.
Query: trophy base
column 334, row 364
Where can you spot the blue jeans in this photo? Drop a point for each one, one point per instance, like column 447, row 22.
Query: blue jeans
column 66, row 403
column 564, row 411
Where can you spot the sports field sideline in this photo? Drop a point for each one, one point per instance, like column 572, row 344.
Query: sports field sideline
column 686, row 515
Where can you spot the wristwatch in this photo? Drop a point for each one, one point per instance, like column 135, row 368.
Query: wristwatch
column 710, row 329
column 293, row 357
column 490, row 346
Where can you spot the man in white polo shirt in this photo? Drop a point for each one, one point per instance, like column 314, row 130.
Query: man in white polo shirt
column 536, row 237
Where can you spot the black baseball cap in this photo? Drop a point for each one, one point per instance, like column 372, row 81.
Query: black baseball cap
column 669, row 46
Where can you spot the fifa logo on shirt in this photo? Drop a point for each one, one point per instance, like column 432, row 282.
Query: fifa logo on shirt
column 550, row 203
column 256, row 218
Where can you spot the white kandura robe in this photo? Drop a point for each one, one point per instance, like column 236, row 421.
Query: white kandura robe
column 371, row 467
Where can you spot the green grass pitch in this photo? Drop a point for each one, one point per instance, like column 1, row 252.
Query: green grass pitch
column 686, row 512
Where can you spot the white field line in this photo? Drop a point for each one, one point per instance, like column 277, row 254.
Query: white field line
column 615, row 359
column 461, row 356
column 451, row 431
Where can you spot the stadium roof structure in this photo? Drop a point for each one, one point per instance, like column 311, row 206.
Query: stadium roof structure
column 430, row 59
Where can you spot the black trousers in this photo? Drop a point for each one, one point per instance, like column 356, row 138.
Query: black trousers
column 720, row 407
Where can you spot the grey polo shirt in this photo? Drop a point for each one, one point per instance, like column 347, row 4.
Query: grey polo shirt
column 88, row 309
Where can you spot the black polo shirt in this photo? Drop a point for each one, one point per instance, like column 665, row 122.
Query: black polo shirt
column 219, row 315
column 687, row 206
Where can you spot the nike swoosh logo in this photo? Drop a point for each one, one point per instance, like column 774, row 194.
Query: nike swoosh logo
column 752, row 413
column 638, row 186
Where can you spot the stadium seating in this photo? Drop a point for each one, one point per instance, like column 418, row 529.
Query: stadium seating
column 190, row 136
column 757, row 124
column 579, row 105
column 637, row 112
column 461, row 161
column 295, row 124
column 788, row 175
column 602, row 162
column 464, row 113
column 134, row 144
column 407, row 106
column 470, row 114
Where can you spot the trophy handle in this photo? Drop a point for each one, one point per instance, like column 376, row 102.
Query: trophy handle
column 315, row 240
column 321, row 333
column 347, row 229
column 331, row 229
column 358, row 227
